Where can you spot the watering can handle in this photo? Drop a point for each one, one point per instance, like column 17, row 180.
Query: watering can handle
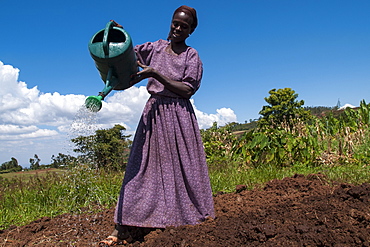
column 116, row 24
column 105, row 38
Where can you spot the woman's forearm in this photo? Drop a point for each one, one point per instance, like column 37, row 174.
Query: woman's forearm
column 179, row 88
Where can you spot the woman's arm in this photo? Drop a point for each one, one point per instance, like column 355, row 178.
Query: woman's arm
column 179, row 88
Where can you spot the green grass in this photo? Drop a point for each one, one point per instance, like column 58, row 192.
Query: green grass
column 50, row 194
column 25, row 175
column 227, row 178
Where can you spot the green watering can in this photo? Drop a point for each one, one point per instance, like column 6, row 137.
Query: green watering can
column 114, row 56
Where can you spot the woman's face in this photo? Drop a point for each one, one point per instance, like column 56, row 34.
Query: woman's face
column 180, row 27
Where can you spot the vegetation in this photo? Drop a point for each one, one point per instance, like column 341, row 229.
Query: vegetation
column 63, row 160
column 226, row 179
column 10, row 166
column 336, row 145
column 35, row 162
column 282, row 107
column 51, row 194
column 107, row 149
column 320, row 111
column 301, row 141
column 26, row 175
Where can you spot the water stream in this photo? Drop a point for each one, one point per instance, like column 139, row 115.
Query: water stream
column 84, row 124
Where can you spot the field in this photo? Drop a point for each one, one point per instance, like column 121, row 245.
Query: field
column 297, row 184
column 30, row 173
column 294, row 211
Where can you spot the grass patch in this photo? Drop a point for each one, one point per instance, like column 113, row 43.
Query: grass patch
column 51, row 193
column 25, row 175
column 227, row 178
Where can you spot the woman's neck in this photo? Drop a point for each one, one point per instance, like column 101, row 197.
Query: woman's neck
column 178, row 48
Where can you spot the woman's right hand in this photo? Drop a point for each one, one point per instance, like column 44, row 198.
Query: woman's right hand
column 145, row 73
column 116, row 24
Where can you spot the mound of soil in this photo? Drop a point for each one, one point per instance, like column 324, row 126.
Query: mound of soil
column 296, row 211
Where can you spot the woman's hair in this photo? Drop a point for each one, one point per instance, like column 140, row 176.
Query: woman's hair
column 190, row 11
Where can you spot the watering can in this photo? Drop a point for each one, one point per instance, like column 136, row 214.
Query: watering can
column 114, row 57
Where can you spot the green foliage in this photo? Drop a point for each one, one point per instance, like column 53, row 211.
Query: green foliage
column 334, row 139
column 325, row 141
column 236, row 127
column 107, row 149
column 282, row 107
column 336, row 146
column 10, row 166
column 35, row 163
column 218, row 143
column 319, row 110
column 63, row 160
column 281, row 146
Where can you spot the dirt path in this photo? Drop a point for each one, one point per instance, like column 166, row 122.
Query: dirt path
column 296, row 211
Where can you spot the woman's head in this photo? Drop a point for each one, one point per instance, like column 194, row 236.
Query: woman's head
column 184, row 21
column 191, row 12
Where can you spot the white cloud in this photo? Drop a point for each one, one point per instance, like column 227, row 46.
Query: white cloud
column 346, row 106
column 32, row 122
column 125, row 106
column 222, row 117
column 8, row 129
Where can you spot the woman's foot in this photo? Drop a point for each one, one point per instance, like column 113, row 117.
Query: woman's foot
column 120, row 236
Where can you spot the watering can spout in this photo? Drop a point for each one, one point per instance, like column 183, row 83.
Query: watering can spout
column 114, row 57
column 94, row 103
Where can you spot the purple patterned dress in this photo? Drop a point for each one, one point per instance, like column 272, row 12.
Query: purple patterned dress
column 166, row 181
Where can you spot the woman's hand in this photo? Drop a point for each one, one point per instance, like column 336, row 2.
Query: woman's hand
column 145, row 73
column 116, row 24
column 177, row 87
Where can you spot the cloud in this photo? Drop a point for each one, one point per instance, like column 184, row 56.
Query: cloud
column 346, row 106
column 222, row 117
column 32, row 122
column 125, row 106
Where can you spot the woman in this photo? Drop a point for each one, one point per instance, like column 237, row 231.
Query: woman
column 166, row 181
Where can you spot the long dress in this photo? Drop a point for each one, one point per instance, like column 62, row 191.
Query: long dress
column 166, row 182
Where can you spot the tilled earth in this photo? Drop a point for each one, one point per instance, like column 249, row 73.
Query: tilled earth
column 296, row 211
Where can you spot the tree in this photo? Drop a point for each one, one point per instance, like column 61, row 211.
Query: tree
column 107, row 148
column 35, row 162
column 11, row 166
column 63, row 160
column 283, row 107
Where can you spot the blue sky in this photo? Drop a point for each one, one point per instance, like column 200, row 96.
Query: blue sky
column 319, row 48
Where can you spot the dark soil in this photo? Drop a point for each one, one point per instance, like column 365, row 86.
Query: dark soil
column 296, row 211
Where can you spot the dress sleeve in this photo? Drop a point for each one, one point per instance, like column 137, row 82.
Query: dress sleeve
column 144, row 52
column 193, row 71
